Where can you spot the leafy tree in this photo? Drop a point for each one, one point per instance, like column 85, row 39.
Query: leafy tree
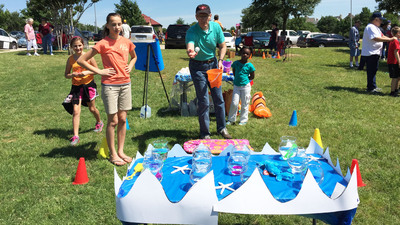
column 130, row 11
column 180, row 21
column 59, row 12
column 88, row 27
column 10, row 21
column 301, row 24
column 364, row 16
column 252, row 18
column 390, row 6
column 343, row 26
column 393, row 18
column 328, row 24
column 261, row 13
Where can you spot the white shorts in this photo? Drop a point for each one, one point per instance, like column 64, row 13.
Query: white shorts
column 31, row 43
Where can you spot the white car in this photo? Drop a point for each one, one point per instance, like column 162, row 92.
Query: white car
column 291, row 34
column 229, row 40
column 6, row 41
column 142, row 33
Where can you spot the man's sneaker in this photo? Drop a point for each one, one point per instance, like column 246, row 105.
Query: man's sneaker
column 394, row 94
column 229, row 123
column 74, row 140
column 376, row 90
column 36, row 54
column 99, row 127
column 51, row 54
column 28, row 54
column 351, row 65
column 242, row 124
column 225, row 134
column 205, row 137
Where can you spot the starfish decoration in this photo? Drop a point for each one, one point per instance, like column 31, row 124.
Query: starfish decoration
column 180, row 168
column 224, row 186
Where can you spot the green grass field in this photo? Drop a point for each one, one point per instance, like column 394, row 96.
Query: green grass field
column 38, row 164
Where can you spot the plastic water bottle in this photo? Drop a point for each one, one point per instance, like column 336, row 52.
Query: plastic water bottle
column 145, row 110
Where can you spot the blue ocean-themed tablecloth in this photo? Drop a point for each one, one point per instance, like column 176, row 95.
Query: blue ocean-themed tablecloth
column 177, row 184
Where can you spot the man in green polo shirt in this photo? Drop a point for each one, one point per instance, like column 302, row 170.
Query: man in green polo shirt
column 201, row 41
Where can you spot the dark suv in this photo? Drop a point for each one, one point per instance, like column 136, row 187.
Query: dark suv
column 175, row 36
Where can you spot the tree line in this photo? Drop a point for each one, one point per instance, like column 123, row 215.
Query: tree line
column 292, row 15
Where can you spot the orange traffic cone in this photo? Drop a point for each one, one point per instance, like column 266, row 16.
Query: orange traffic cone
column 263, row 55
column 279, row 56
column 354, row 163
column 251, row 56
column 81, row 176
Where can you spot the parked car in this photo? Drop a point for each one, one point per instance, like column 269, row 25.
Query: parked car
column 260, row 38
column 88, row 35
column 98, row 36
column 303, row 40
column 6, row 41
column 175, row 36
column 229, row 40
column 142, row 33
column 22, row 42
column 328, row 40
column 17, row 34
column 301, row 32
column 291, row 34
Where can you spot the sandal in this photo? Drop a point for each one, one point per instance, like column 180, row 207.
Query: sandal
column 117, row 162
column 127, row 159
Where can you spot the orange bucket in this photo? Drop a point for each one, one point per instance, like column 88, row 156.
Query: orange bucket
column 215, row 77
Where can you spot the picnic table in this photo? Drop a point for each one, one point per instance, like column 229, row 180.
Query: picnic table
column 142, row 198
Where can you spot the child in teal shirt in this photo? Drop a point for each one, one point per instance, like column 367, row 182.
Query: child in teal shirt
column 243, row 72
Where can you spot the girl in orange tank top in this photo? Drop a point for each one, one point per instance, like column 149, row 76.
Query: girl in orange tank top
column 83, row 90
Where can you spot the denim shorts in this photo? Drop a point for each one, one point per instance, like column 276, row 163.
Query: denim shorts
column 354, row 51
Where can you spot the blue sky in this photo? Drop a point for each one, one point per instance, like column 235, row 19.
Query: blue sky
column 168, row 11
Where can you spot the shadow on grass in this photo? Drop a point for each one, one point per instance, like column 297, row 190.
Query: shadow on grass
column 342, row 65
column 342, row 50
column 352, row 89
column 58, row 133
column 168, row 112
column 81, row 150
column 177, row 136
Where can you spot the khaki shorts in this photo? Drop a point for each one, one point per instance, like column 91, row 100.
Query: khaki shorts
column 116, row 98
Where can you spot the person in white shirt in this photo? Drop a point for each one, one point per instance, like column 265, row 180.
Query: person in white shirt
column 126, row 30
column 371, row 49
